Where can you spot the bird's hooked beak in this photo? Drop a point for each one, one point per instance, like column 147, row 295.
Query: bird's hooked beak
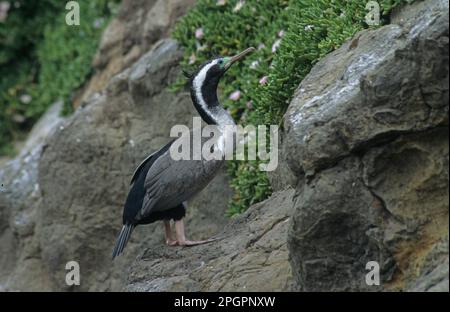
column 238, row 57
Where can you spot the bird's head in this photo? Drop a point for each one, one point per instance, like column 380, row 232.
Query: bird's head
column 207, row 76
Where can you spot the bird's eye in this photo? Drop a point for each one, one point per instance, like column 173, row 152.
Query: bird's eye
column 222, row 62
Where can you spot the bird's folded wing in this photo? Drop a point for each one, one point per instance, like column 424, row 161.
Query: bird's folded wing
column 151, row 158
column 170, row 182
column 155, row 184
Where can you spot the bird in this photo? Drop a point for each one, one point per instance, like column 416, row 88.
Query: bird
column 160, row 185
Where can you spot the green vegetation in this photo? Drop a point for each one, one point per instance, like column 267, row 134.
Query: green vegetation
column 308, row 29
column 43, row 60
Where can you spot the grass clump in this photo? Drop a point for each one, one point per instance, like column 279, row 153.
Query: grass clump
column 290, row 37
column 228, row 29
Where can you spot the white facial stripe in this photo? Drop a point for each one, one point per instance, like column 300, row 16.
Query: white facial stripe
column 222, row 120
column 198, row 82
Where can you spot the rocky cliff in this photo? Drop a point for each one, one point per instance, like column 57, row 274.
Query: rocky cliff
column 369, row 145
column 363, row 174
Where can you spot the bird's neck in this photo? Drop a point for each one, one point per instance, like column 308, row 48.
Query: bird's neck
column 204, row 97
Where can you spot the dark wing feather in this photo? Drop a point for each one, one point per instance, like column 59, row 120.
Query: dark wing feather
column 151, row 158
column 137, row 191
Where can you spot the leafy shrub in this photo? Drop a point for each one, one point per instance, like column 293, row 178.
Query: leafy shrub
column 291, row 36
column 43, row 60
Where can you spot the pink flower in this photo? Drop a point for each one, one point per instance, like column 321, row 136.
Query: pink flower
column 238, row 6
column 25, row 98
column 4, row 8
column 281, row 33
column 192, row 59
column 98, row 23
column 249, row 104
column 254, row 64
column 263, row 80
column 276, row 45
column 236, row 95
column 18, row 118
column 199, row 33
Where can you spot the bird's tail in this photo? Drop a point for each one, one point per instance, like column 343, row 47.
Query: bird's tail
column 122, row 240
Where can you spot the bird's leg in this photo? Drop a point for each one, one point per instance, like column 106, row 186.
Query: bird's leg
column 181, row 239
column 170, row 241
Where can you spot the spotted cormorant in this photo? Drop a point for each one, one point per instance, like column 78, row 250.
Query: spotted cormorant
column 160, row 185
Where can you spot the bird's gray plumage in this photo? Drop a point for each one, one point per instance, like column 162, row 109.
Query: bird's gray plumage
column 150, row 157
column 160, row 185
column 170, row 182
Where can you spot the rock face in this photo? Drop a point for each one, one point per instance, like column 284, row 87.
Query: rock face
column 138, row 25
column 20, row 265
column 250, row 255
column 367, row 137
